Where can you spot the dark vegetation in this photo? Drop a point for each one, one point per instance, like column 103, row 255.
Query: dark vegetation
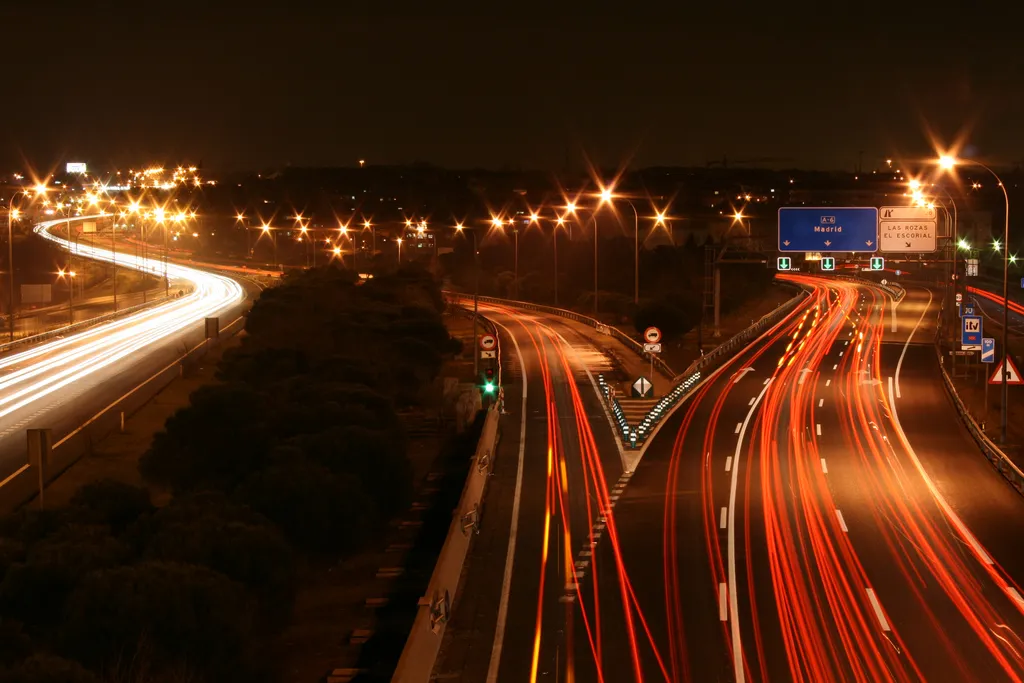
column 298, row 453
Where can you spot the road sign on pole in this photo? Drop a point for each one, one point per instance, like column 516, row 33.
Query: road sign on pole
column 784, row 263
column 642, row 388
column 970, row 332
column 829, row 228
column 1012, row 373
column 488, row 342
column 988, row 350
column 828, row 263
column 906, row 229
column 652, row 335
column 972, row 267
column 877, row 263
column 959, row 297
column 966, row 309
column 652, row 348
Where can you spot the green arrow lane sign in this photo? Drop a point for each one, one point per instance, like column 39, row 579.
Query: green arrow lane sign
column 784, row 263
column 828, row 263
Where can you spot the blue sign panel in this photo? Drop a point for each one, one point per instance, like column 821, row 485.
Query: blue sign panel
column 988, row 350
column 966, row 309
column 828, row 228
column 970, row 333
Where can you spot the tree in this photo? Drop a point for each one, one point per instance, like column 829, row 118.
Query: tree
column 182, row 612
column 378, row 459
column 251, row 552
column 213, row 443
column 111, row 502
column 35, row 591
column 41, row 668
column 320, row 512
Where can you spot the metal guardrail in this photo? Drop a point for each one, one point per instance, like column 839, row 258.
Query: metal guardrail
column 84, row 324
column 609, row 330
column 682, row 384
column 24, row 483
column 419, row 655
column 999, row 460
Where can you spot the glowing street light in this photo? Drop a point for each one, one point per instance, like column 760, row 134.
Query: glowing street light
column 948, row 162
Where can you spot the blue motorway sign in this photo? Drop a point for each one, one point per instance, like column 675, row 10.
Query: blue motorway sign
column 970, row 333
column 966, row 309
column 988, row 350
column 829, row 228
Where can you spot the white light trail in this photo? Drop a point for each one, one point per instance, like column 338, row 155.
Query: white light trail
column 50, row 366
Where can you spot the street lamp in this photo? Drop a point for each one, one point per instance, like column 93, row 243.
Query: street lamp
column 947, row 162
column 497, row 222
column 459, row 229
column 12, row 215
column 559, row 223
column 608, row 197
column 399, row 240
column 271, row 232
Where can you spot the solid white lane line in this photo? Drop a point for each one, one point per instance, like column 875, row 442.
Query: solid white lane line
column 819, row 429
column 828, row 382
column 951, row 515
column 737, row 642
column 728, row 463
column 877, row 608
column 842, row 522
column 821, row 402
column 906, row 344
column 723, row 602
column 739, row 426
column 721, row 518
column 510, row 552
column 894, row 314
column 824, row 466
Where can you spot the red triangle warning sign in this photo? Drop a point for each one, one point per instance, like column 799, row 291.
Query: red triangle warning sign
column 1012, row 374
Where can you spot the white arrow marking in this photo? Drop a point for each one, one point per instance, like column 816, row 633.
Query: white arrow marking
column 869, row 243
column 828, row 243
column 786, row 243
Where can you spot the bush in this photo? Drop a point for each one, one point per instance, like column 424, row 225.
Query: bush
column 48, row 669
column 211, row 444
column 253, row 554
column 113, row 503
column 320, row 512
column 377, row 459
column 180, row 612
column 35, row 591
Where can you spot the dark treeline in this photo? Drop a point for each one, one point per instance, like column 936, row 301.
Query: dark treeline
column 298, row 452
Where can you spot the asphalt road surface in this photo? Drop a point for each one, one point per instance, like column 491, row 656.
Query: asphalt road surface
column 814, row 512
column 61, row 383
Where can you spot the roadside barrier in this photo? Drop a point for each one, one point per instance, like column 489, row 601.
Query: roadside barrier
column 84, row 324
column 999, row 460
column 421, row 649
column 29, row 481
column 681, row 384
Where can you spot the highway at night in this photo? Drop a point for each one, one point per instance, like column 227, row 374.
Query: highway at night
column 814, row 512
column 62, row 382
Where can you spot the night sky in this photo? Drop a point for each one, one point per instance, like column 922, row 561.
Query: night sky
column 510, row 85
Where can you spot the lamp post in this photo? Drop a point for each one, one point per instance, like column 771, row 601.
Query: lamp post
column 459, row 228
column 12, row 213
column 399, row 240
column 947, row 163
column 559, row 223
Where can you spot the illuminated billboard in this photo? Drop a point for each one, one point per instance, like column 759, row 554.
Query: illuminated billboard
column 75, row 167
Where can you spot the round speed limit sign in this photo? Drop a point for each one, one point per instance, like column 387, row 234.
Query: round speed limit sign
column 652, row 335
column 488, row 342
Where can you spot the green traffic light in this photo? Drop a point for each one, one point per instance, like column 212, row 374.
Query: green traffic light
column 489, row 388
